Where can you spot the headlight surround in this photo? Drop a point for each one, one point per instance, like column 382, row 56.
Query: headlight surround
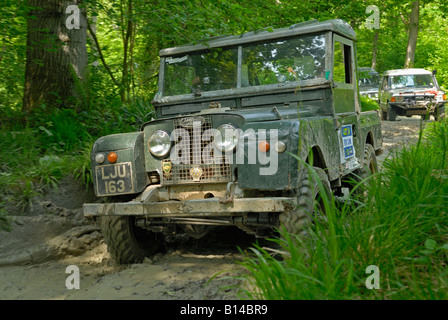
column 159, row 143
column 226, row 138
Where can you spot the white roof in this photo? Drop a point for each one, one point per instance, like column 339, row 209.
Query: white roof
column 397, row 72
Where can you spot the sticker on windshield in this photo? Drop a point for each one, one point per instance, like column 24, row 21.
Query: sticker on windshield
column 170, row 60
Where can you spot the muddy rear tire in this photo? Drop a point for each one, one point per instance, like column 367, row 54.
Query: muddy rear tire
column 370, row 165
column 128, row 243
column 308, row 200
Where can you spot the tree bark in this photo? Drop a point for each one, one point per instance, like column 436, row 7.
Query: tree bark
column 127, row 47
column 56, row 55
column 413, row 33
column 375, row 49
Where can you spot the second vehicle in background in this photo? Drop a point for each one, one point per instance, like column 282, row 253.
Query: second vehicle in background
column 369, row 82
column 408, row 92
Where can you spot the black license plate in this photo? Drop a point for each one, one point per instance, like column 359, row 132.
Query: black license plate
column 114, row 179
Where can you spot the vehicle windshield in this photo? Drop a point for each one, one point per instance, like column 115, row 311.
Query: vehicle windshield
column 409, row 81
column 282, row 60
column 285, row 60
column 205, row 71
column 368, row 79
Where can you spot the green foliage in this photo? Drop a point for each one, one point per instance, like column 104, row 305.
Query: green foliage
column 63, row 131
column 12, row 54
column 401, row 227
column 368, row 104
column 80, row 165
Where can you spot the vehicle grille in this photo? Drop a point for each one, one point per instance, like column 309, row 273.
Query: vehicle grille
column 419, row 101
column 195, row 171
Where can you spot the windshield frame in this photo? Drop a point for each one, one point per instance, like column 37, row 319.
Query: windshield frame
column 239, row 88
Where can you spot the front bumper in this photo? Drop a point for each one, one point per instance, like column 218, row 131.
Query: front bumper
column 419, row 109
column 152, row 204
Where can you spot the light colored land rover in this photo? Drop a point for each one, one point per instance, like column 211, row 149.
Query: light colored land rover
column 408, row 92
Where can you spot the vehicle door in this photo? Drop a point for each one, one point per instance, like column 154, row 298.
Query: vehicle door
column 346, row 103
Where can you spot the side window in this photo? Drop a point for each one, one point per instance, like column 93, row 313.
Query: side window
column 384, row 84
column 342, row 71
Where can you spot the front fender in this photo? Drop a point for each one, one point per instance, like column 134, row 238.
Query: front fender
column 125, row 176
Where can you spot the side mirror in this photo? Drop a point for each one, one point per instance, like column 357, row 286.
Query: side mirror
column 434, row 72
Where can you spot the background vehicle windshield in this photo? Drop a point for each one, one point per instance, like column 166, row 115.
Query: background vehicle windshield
column 367, row 79
column 206, row 71
column 283, row 60
column 406, row 81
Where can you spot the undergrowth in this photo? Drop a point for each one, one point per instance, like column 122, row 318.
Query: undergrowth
column 401, row 228
column 52, row 144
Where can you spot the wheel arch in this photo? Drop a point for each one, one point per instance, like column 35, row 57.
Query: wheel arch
column 370, row 140
column 316, row 158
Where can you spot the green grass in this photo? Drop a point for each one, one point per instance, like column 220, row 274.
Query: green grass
column 368, row 104
column 35, row 157
column 401, row 227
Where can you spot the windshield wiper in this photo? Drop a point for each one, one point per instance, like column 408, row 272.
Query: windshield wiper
column 196, row 93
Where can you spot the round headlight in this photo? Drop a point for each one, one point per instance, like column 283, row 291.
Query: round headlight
column 159, row 143
column 280, row 147
column 100, row 158
column 226, row 138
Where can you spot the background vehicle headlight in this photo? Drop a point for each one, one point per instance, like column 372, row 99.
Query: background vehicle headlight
column 159, row 143
column 226, row 138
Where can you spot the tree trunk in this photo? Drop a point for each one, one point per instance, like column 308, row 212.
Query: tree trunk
column 56, row 54
column 413, row 32
column 127, row 37
column 375, row 49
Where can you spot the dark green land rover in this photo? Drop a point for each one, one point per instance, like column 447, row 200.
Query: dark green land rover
column 234, row 115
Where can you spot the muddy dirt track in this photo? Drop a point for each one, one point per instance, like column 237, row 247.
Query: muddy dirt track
column 34, row 256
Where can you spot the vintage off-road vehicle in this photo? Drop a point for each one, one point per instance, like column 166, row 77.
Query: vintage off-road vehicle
column 234, row 115
column 409, row 92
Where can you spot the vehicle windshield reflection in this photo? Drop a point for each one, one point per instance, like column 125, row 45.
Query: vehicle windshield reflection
column 286, row 60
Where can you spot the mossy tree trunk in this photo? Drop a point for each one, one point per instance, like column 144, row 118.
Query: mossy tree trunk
column 56, row 54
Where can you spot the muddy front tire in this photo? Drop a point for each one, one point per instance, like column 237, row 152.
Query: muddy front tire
column 309, row 199
column 391, row 113
column 128, row 243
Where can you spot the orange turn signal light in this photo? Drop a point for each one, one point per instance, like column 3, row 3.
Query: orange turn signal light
column 392, row 99
column 112, row 157
column 263, row 146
